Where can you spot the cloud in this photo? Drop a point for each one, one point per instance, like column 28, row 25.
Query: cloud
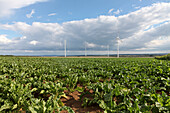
column 137, row 7
column 24, row 37
column 110, row 11
column 117, row 12
column 7, row 7
column 52, row 14
column 90, row 45
column 4, row 39
column 158, row 42
column 149, row 40
column 34, row 42
column 30, row 15
column 98, row 32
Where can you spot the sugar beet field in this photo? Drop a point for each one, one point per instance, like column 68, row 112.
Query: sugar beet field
column 82, row 85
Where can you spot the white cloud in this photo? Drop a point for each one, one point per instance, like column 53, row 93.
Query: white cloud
column 34, row 42
column 4, row 39
column 99, row 32
column 159, row 42
column 30, row 14
column 137, row 7
column 7, row 7
column 52, row 14
column 110, row 11
column 117, row 12
column 91, row 45
column 24, row 37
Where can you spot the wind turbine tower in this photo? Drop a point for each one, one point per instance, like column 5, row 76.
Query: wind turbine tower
column 108, row 54
column 118, row 40
column 65, row 44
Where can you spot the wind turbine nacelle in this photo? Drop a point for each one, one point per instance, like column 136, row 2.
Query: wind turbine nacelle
column 118, row 39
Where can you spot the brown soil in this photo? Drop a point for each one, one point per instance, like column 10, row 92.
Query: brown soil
column 75, row 103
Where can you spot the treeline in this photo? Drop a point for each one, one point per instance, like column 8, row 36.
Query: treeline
column 6, row 56
column 164, row 57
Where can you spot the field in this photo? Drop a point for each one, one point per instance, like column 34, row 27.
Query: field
column 68, row 85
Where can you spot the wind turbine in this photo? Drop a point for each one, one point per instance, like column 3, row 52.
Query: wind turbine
column 65, row 44
column 118, row 40
column 108, row 54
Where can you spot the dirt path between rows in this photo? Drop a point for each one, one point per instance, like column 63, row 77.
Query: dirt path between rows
column 75, row 103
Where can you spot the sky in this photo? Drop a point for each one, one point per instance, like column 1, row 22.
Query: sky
column 39, row 27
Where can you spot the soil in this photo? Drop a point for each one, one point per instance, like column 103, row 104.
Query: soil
column 75, row 103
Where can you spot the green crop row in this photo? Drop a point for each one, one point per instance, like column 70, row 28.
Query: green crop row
column 164, row 57
column 36, row 85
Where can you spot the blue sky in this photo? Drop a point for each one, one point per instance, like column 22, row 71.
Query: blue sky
column 27, row 26
column 68, row 10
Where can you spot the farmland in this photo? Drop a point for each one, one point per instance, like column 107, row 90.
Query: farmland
column 48, row 85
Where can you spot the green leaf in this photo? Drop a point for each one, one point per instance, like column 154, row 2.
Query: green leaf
column 158, row 104
column 34, row 89
column 162, row 88
column 146, row 95
column 5, row 107
column 64, row 95
column 42, row 91
column 14, row 107
column 105, row 111
column 79, row 89
column 108, row 97
column 102, row 104
column 32, row 109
